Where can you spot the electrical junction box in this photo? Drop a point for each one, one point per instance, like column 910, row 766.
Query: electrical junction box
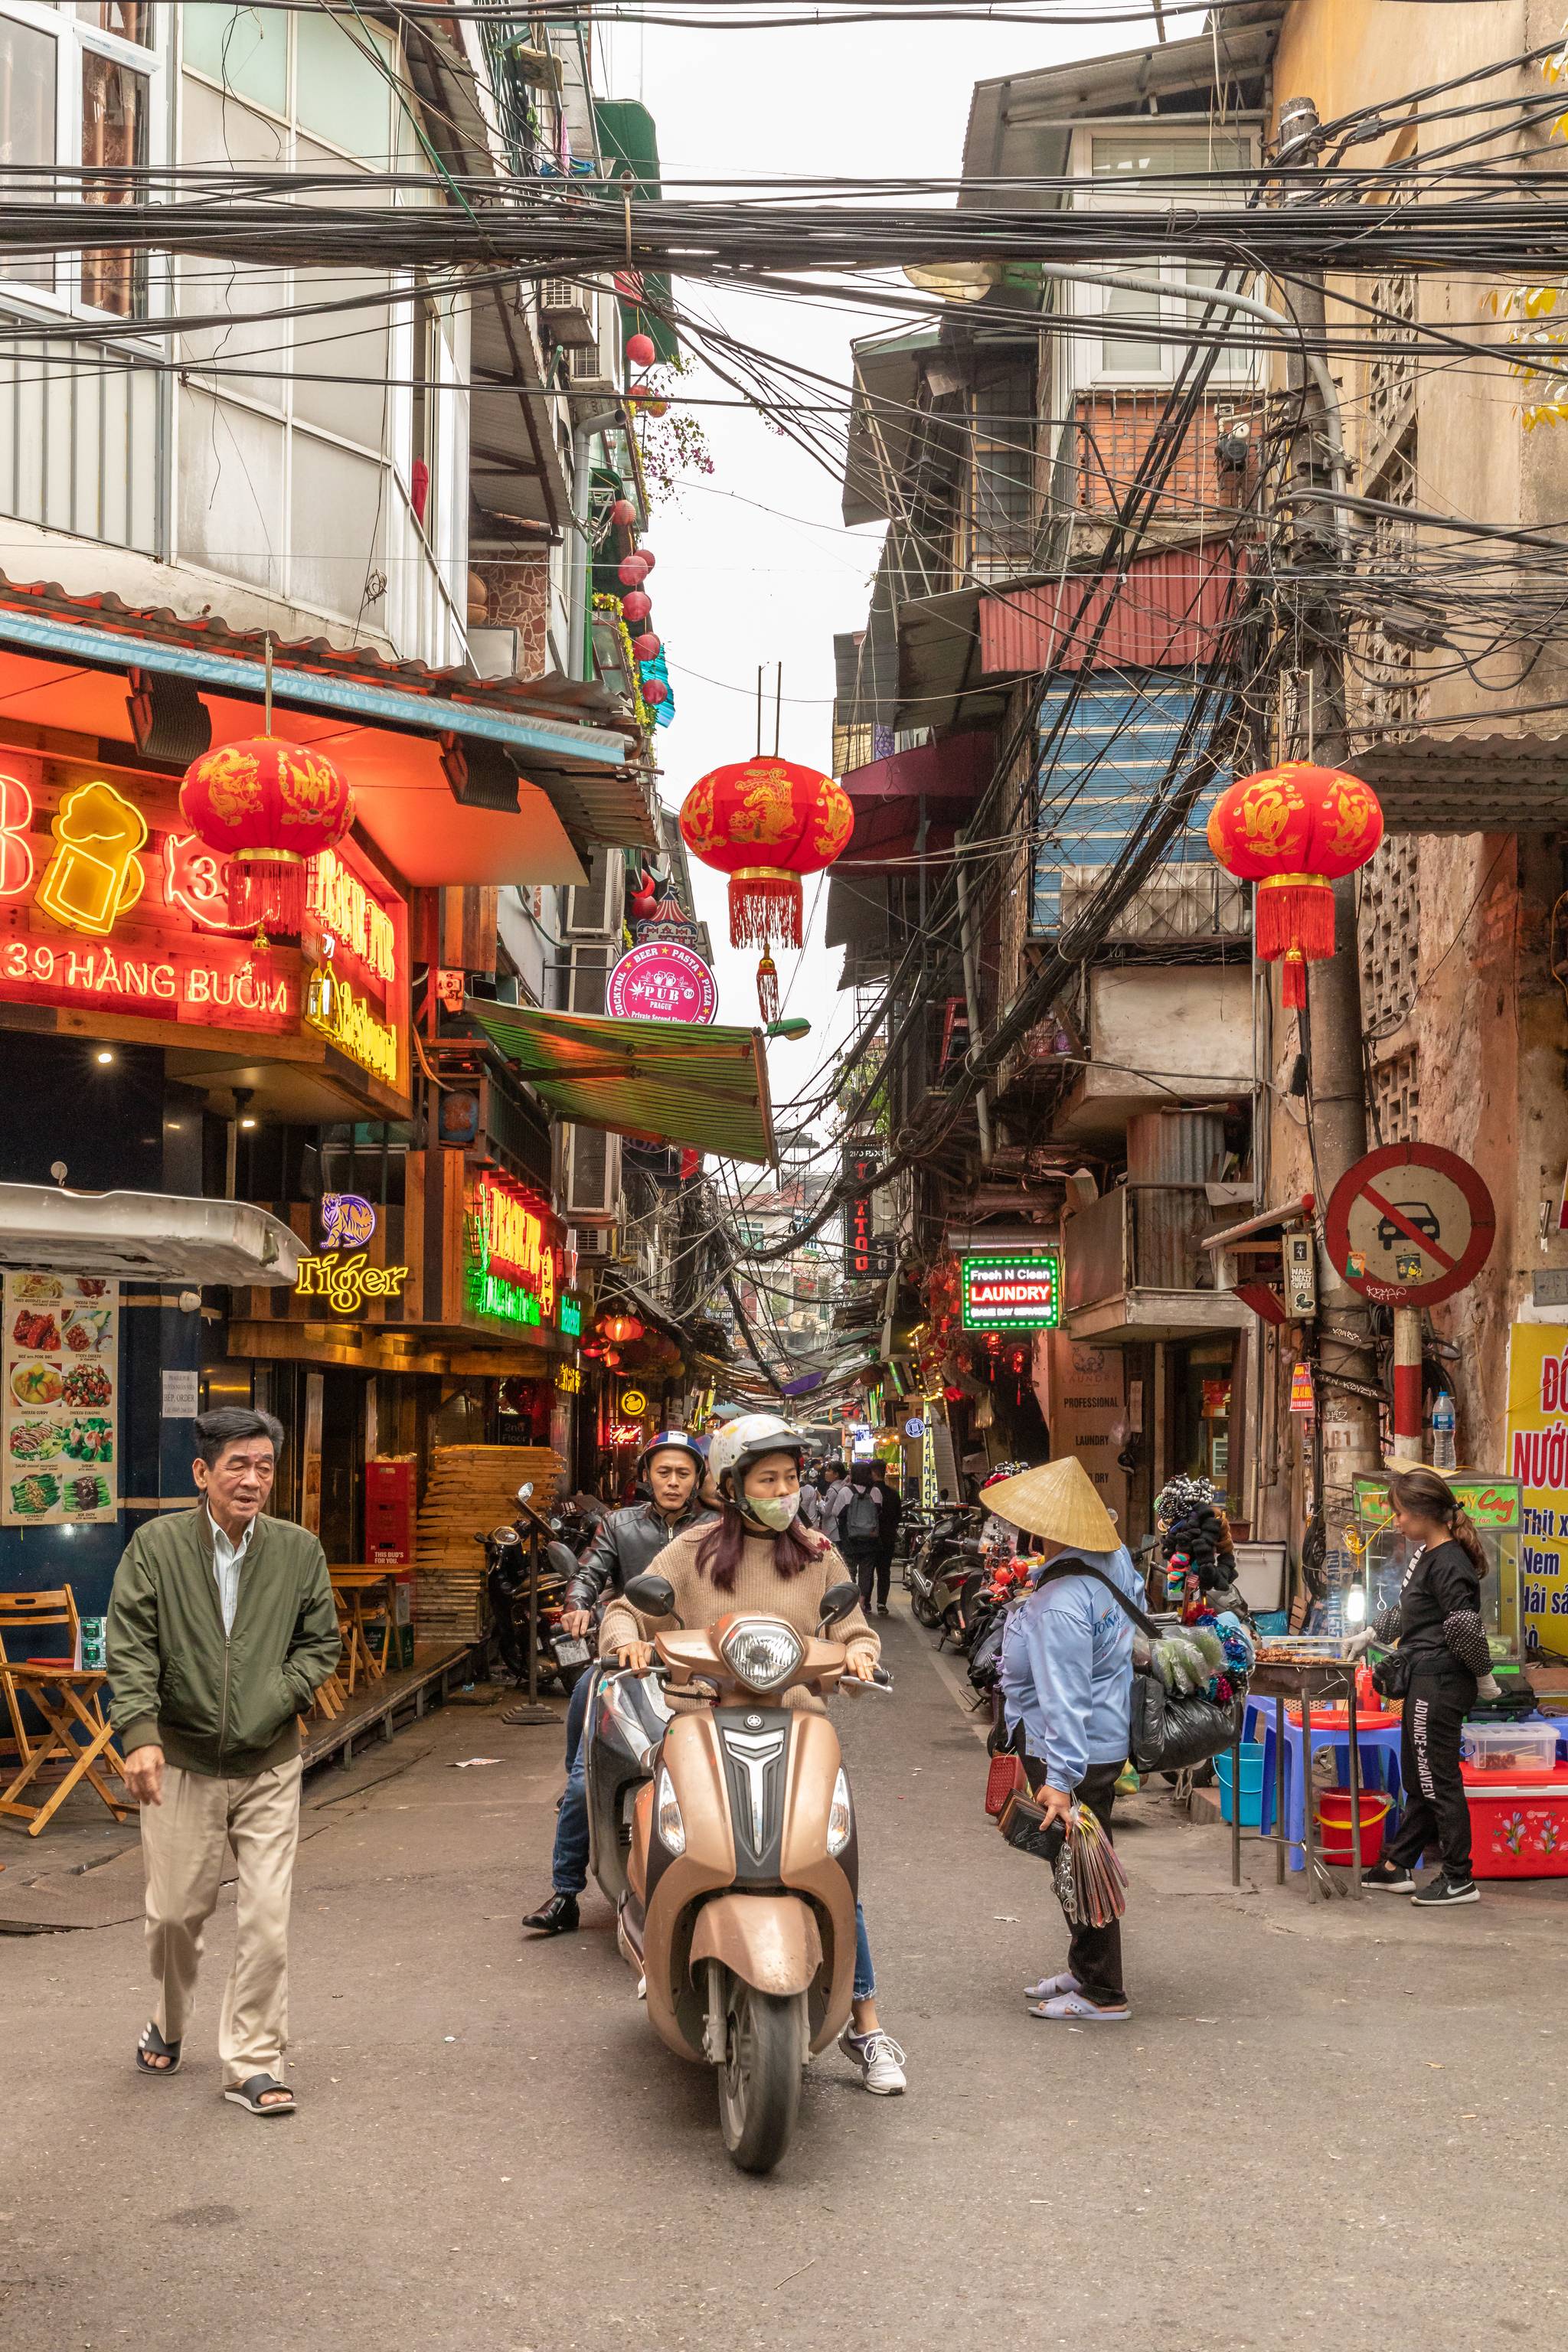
column 1301, row 1277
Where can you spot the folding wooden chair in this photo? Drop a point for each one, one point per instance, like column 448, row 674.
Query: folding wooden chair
column 77, row 1733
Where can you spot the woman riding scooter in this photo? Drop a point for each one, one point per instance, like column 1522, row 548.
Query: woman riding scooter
column 759, row 1557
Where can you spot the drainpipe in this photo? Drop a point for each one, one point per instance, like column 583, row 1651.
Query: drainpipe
column 582, row 437
column 971, row 992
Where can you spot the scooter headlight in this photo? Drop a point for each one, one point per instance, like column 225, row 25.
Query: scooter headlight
column 762, row 1652
column 840, row 1816
column 667, row 1815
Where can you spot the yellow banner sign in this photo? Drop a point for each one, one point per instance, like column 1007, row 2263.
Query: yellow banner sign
column 1538, row 1458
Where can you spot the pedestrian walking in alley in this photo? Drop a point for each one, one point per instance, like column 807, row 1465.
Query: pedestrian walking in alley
column 1067, row 1685
column 758, row 1558
column 892, row 1509
column 673, row 1468
column 222, row 1628
column 1442, row 1662
column 857, row 1529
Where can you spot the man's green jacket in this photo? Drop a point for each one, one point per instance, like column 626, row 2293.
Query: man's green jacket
column 224, row 1705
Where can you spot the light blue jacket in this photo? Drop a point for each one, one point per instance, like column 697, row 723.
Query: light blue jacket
column 1067, row 1667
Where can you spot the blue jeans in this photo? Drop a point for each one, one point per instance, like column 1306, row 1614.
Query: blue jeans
column 865, row 1974
column 569, row 1862
column 577, row 1711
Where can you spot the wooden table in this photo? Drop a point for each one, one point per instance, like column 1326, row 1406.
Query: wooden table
column 78, row 1735
column 1313, row 1682
column 350, row 1586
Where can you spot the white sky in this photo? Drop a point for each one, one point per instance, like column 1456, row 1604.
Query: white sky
column 737, row 583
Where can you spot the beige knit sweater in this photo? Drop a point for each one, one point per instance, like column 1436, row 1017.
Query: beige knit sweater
column 758, row 1587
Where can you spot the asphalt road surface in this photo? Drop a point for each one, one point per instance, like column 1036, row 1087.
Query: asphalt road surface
column 1340, row 2125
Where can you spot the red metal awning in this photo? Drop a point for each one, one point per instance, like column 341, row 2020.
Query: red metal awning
column 937, row 782
column 1168, row 612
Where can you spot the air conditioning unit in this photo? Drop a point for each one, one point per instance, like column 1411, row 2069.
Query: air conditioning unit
column 592, row 1178
column 569, row 313
column 597, row 1241
column 594, row 908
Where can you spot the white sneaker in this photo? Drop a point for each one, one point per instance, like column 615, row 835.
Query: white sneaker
column 879, row 2059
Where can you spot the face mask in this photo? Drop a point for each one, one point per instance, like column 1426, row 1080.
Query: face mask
column 775, row 1511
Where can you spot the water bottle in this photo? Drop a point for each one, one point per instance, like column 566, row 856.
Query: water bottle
column 1443, row 1433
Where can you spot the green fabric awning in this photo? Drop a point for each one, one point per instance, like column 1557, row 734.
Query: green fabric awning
column 628, row 142
column 669, row 1081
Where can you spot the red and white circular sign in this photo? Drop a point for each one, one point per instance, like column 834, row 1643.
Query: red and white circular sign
column 661, row 981
column 1410, row 1224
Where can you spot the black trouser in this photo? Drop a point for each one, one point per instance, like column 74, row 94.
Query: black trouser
column 863, row 1558
column 1435, row 1706
column 1094, row 1953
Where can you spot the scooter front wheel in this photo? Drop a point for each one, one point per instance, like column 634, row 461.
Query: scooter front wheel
column 759, row 2082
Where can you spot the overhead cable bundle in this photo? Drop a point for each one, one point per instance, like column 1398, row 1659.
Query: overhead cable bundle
column 1092, row 1886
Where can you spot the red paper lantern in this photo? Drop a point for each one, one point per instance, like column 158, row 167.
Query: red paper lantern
column 1294, row 830
column 647, row 646
column 644, row 898
column 647, row 558
column 267, row 806
column 631, row 571
column 764, row 823
column 622, row 1329
column 636, row 606
column 640, row 350
column 653, row 692
column 624, row 513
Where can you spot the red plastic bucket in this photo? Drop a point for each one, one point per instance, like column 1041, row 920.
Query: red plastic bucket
column 1334, row 1821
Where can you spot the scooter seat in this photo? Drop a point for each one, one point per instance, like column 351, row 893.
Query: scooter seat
column 642, row 1829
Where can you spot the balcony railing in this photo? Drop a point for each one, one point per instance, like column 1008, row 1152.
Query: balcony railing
column 1132, row 1265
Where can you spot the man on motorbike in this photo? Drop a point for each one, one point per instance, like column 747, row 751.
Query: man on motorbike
column 759, row 1557
column 624, row 1542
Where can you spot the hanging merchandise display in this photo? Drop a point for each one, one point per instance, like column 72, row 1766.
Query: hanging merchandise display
column 268, row 806
column 764, row 822
column 1295, row 830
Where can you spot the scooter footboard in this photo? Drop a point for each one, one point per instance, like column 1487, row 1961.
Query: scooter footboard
column 770, row 1941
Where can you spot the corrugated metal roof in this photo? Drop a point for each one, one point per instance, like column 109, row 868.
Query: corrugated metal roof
column 1450, row 783
column 671, row 1081
column 1167, row 612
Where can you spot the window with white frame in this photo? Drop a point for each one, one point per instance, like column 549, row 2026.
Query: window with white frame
column 80, row 83
column 1133, row 163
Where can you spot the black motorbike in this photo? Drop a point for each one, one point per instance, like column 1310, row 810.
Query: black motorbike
column 528, row 1563
column 944, row 1559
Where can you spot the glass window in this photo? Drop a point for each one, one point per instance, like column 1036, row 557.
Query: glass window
column 27, row 65
column 343, row 89
column 1136, row 166
column 113, row 135
column 131, row 19
column 245, row 49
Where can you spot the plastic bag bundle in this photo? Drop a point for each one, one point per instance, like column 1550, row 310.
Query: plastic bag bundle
column 1092, row 1886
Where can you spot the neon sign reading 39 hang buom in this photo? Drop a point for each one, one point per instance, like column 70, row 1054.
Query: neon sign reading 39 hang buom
column 513, row 1275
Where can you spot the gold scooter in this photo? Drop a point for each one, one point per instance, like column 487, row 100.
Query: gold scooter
column 725, row 1838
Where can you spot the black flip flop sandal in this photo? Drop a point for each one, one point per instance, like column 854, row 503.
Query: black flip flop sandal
column 152, row 2045
column 249, row 2094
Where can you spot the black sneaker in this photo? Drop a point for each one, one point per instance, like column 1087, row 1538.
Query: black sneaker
column 1445, row 1889
column 556, row 1918
column 1390, row 1878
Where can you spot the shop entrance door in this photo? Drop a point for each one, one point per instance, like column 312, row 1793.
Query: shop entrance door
column 342, row 1463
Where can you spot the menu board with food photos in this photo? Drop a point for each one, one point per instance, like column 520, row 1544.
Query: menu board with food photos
column 59, row 1399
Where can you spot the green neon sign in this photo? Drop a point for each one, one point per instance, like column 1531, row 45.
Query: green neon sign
column 1019, row 1292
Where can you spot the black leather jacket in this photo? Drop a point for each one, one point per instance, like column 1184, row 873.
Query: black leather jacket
column 624, row 1545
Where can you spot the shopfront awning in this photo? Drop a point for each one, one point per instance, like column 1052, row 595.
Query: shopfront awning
column 669, row 1081
column 144, row 1237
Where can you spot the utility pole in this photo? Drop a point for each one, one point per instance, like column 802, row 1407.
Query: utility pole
column 1331, row 1031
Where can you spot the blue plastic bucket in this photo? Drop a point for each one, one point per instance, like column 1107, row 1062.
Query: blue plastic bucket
column 1251, row 1784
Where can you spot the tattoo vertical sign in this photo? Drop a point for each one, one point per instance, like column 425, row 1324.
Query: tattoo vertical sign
column 867, row 1254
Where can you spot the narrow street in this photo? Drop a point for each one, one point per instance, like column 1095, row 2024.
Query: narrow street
column 493, row 2151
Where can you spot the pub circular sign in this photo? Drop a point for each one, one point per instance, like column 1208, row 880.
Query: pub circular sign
column 661, row 981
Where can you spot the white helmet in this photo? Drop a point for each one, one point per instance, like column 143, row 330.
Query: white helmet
column 741, row 1442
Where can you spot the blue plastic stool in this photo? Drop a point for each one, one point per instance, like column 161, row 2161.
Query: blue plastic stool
column 1380, row 1744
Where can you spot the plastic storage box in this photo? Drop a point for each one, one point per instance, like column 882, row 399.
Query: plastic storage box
column 1520, row 1829
column 1511, row 1752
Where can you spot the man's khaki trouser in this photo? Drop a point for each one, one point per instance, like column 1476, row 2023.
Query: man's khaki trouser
column 182, row 1843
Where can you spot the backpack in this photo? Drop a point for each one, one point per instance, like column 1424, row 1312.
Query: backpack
column 1165, row 1732
column 862, row 1513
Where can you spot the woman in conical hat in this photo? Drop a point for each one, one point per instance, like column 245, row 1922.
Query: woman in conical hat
column 1067, row 1685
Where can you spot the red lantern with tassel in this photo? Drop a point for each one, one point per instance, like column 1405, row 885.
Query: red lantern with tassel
column 764, row 823
column 267, row 806
column 1294, row 830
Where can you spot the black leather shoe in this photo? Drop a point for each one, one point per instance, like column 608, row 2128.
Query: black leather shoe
column 556, row 1918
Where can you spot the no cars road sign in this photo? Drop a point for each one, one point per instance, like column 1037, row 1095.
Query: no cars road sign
column 1410, row 1224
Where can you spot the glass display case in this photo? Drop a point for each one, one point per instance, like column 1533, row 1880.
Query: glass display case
column 1380, row 1555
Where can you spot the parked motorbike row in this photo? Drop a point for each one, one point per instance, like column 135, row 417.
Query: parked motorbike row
column 529, row 1562
column 962, row 1588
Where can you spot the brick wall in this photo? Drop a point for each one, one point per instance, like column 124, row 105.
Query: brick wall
column 513, row 593
column 1114, row 430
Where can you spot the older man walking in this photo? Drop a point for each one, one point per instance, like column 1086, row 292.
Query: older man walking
column 221, row 1629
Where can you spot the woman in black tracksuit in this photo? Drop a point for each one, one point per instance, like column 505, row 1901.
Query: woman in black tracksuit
column 1437, row 1624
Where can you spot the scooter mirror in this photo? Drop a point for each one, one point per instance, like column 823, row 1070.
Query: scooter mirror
column 525, row 1490
column 838, row 1601
column 650, row 1595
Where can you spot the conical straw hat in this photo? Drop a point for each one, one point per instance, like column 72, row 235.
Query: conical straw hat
column 1056, row 1500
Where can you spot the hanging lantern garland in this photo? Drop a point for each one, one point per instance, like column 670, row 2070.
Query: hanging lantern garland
column 1294, row 830
column 267, row 807
column 764, row 823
